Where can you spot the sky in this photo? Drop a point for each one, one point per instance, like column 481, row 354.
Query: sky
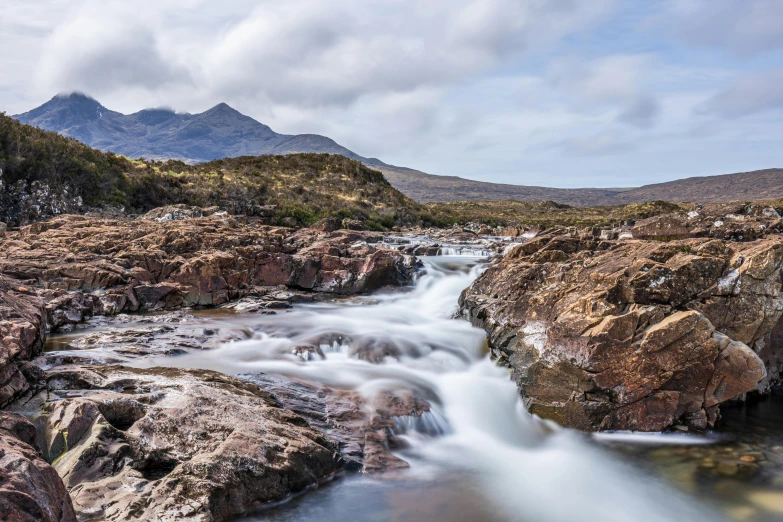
column 561, row 93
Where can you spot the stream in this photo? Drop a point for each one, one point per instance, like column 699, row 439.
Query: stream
column 477, row 454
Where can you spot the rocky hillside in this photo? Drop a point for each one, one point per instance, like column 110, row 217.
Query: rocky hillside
column 44, row 174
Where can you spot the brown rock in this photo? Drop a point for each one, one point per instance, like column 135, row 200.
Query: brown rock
column 330, row 224
column 30, row 489
column 362, row 431
column 177, row 444
column 146, row 264
column 664, row 227
column 352, row 224
column 22, row 332
column 631, row 335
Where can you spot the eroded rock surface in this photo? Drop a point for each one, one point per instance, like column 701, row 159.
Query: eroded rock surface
column 59, row 273
column 730, row 221
column 22, row 332
column 30, row 489
column 170, row 444
column 147, row 265
column 636, row 335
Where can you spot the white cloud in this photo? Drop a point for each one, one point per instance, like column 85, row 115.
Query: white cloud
column 614, row 82
column 106, row 49
column 748, row 95
column 315, row 53
column 503, row 90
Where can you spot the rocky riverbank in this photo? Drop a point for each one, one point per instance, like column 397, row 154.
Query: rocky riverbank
column 643, row 326
column 638, row 334
column 58, row 273
column 183, row 445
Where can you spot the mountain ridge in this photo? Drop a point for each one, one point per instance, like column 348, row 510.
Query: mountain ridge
column 223, row 132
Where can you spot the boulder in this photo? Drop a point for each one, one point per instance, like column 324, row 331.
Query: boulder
column 30, row 489
column 170, row 444
column 664, row 227
column 352, row 224
column 637, row 335
column 329, row 224
column 512, row 231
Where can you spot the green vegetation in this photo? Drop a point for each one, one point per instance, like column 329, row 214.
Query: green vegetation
column 305, row 187
column 547, row 213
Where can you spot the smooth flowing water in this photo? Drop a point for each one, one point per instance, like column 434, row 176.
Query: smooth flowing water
column 477, row 455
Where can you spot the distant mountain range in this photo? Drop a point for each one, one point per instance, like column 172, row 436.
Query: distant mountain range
column 223, row 132
column 220, row 132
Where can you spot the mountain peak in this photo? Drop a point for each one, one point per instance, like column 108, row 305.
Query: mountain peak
column 76, row 99
column 154, row 116
column 74, row 95
column 223, row 108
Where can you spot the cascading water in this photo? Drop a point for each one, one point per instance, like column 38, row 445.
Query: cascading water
column 477, row 445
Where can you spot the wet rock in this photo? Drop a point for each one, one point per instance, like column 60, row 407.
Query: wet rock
column 170, row 444
column 362, row 429
column 126, row 338
column 30, row 489
column 769, row 349
column 270, row 299
column 635, row 335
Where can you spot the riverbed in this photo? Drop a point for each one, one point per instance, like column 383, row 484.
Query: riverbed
column 476, row 454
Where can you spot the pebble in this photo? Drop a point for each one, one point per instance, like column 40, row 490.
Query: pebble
column 748, row 458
